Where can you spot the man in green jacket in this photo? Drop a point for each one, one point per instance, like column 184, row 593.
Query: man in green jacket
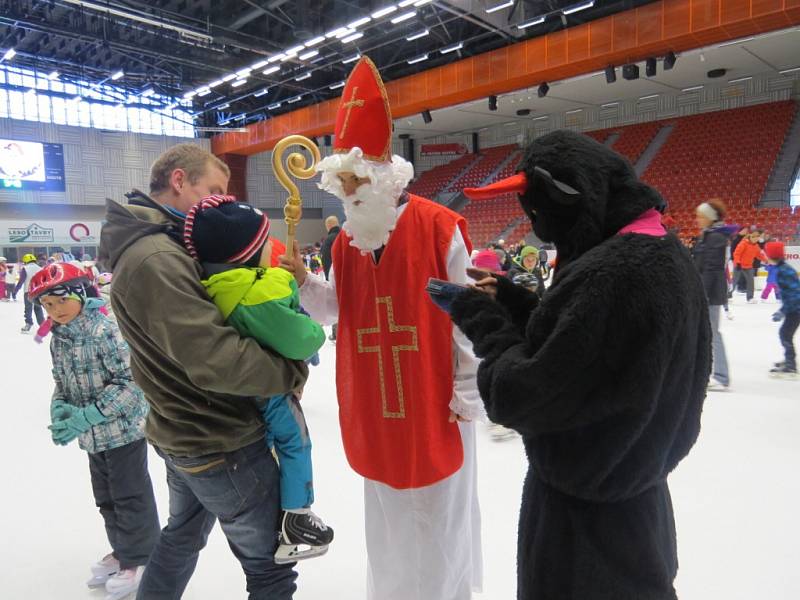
column 199, row 376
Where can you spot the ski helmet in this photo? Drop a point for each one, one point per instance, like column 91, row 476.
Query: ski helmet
column 62, row 278
column 526, row 280
column 28, row 258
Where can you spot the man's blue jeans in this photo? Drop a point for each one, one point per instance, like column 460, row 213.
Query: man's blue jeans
column 239, row 488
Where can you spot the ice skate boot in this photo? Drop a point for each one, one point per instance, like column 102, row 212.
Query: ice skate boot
column 783, row 372
column 124, row 583
column 498, row 433
column 26, row 329
column 302, row 536
column 102, row 570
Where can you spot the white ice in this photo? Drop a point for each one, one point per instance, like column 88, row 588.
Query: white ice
column 735, row 496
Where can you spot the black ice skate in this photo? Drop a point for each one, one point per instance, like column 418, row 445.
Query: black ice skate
column 26, row 329
column 302, row 536
column 783, row 371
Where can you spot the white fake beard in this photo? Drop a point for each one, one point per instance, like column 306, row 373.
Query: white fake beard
column 371, row 222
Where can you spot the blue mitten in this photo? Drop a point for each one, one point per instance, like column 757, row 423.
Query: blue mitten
column 82, row 419
column 62, row 435
column 60, row 410
column 777, row 316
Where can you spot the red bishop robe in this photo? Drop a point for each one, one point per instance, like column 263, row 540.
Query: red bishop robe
column 394, row 360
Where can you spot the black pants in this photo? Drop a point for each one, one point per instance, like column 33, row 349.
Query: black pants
column 10, row 293
column 124, row 494
column 787, row 331
column 36, row 308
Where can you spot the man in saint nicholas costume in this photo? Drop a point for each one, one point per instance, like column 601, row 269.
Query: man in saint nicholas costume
column 405, row 375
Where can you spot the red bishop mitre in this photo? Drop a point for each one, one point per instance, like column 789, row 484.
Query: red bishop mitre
column 364, row 119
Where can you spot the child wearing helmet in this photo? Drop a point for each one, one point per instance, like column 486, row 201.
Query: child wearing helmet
column 789, row 286
column 231, row 240
column 26, row 273
column 97, row 402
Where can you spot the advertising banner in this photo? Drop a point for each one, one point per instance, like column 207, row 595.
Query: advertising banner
column 43, row 233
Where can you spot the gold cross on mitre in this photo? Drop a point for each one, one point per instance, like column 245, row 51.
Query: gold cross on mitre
column 386, row 338
column 350, row 105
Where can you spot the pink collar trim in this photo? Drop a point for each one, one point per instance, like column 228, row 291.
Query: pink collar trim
column 648, row 223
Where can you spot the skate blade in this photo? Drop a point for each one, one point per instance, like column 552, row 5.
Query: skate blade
column 503, row 437
column 121, row 594
column 97, row 581
column 785, row 376
column 289, row 554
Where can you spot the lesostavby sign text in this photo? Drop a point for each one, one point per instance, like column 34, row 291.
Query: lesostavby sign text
column 32, row 234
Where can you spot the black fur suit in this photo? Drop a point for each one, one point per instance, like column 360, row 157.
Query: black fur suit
column 604, row 378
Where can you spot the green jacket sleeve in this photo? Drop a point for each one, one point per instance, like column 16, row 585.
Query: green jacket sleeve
column 269, row 314
column 172, row 307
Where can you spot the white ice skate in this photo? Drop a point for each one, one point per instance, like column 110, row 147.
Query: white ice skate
column 102, row 570
column 498, row 433
column 302, row 536
column 716, row 386
column 124, row 583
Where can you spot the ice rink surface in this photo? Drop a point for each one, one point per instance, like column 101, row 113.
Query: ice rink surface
column 736, row 496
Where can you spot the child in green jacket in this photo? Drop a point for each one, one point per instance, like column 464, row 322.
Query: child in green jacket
column 231, row 240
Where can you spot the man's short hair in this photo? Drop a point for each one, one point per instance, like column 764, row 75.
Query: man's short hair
column 331, row 222
column 193, row 159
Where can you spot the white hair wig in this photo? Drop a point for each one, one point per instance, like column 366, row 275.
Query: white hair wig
column 393, row 175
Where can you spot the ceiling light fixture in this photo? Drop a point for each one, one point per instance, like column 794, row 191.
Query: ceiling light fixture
column 352, row 38
column 500, row 6
column 418, row 35
column 295, row 50
column 315, row 41
column 307, row 55
column 53, row 75
column 287, row 57
column 148, row 92
column 422, row 3
column 228, row 78
column 9, row 54
column 276, row 58
column 259, row 65
column 190, row 95
column 531, row 23
column 274, row 106
column 541, row 118
column 734, row 42
column 405, row 3
column 260, row 93
column 336, row 86
column 204, row 92
column 353, row 58
column 740, row 79
column 238, row 83
column 336, row 32
column 572, row 112
column 303, row 77
column 222, row 106
column 792, row 70
column 242, row 73
column 215, row 83
column 404, row 17
column 694, row 88
column 295, row 99
column 384, row 11
column 650, row 97
column 609, row 104
column 117, row 75
column 418, row 59
column 578, row 7
column 359, row 22
column 449, row 49
column 271, row 70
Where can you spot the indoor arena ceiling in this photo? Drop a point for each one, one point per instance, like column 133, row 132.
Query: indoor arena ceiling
column 252, row 59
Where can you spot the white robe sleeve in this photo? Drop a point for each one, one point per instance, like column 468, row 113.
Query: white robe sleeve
column 466, row 400
column 318, row 297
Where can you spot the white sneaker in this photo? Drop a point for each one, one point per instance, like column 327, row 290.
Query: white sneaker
column 102, row 570
column 716, row 386
column 729, row 315
column 124, row 583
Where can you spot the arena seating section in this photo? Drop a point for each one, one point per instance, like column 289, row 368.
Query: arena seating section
column 432, row 182
column 726, row 154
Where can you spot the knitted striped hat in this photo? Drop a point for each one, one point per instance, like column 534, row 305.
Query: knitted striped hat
column 220, row 230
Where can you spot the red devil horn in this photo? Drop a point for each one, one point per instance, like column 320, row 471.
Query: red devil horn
column 516, row 184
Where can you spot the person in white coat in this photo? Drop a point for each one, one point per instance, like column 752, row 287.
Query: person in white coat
column 406, row 382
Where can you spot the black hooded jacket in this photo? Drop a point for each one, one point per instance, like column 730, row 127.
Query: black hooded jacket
column 604, row 378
